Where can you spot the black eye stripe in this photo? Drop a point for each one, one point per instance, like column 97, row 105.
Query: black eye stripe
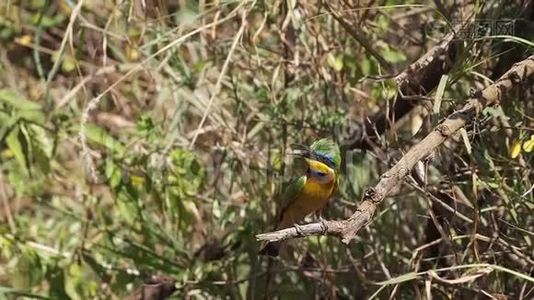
column 318, row 173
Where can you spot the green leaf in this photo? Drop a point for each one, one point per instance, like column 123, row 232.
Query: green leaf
column 15, row 100
column 28, row 270
column 14, row 144
column 127, row 207
column 31, row 115
column 68, row 64
column 41, row 139
column 4, row 118
column 28, row 146
column 366, row 67
column 100, row 136
column 42, row 161
column 334, row 62
column 145, row 125
column 393, row 56
column 7, row 122
column 39, row 149
column 56, row 279
column 189, row 171
column 4, row 290
column 113, row 174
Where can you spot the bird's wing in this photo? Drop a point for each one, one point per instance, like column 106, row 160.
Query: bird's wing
column 290, row 193
column 292, row 190
column 295, row 186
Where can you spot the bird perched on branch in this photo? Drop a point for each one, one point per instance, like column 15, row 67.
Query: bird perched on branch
column 310, row 192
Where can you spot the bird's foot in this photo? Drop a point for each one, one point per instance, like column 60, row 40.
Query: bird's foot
column 298, row 229
column 324, row 227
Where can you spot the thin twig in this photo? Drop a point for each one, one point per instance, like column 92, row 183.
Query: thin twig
column 221, row 76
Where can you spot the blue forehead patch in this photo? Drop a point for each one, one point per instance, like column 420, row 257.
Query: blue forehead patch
column 324, row 158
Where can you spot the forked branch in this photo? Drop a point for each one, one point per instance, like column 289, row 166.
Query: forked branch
column 520, row 73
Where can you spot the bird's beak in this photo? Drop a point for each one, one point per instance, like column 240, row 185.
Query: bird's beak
column 300, row 150
column 301, row 153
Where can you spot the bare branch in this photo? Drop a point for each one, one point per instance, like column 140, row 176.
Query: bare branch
column 418, row 79
column 347, row 229
column 329, row 227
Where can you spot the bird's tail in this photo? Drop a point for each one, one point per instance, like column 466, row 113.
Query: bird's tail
column 270, row 249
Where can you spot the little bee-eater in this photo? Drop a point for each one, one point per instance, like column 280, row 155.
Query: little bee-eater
column 310, row 192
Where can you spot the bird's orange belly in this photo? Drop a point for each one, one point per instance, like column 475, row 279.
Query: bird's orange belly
column 313, row 197
column 316, row 194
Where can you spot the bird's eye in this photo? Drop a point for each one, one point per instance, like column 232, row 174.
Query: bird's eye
column 321, row 174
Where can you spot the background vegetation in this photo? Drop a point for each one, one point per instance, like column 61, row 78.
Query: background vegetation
column 142, row 142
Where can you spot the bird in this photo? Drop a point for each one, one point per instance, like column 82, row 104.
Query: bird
column 310, row 192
